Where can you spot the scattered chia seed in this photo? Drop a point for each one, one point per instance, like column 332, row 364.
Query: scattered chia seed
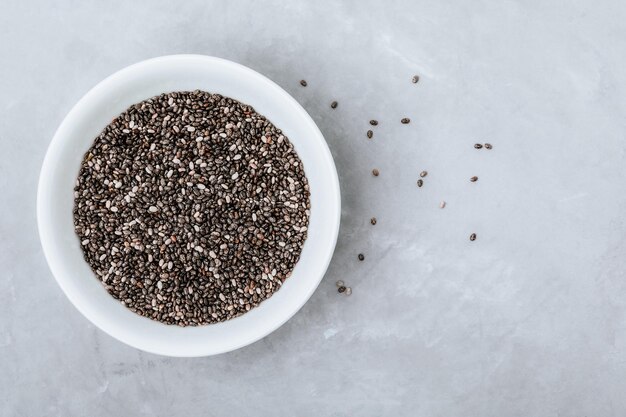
column 473, row 237
column 474, row 179
column 211, row 208
column 488, row 146
column 374, row 122
column 420, row 183
column 405, row 121
column 341, row 289
column 442, row 204
column 415, row 79
column 303, row 83
column 478, row 146
column 423, row 174
column 373, row 221
column 361, row 257
column 333, row 105
column 348, row 291
column 370, row 134
column 375, row 172
column 339, row 283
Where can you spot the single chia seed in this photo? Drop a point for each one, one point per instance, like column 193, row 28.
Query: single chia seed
column 405, row 121
column 303, row 83
column 374, row 122
column 370, row 134
column 333, row 105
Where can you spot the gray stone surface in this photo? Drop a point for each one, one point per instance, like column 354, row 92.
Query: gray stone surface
column 528, row 320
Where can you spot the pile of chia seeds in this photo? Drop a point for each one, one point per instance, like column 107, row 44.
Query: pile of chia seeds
column 191, row 208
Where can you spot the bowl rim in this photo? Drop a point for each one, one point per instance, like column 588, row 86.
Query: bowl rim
column 46, row 235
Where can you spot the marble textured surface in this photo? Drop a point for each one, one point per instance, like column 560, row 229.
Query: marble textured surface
column 528, row 320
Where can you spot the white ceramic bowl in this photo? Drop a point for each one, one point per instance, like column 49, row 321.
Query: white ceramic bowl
column 87, row 119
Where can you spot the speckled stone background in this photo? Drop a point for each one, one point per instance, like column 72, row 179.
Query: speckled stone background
column 528, row 320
